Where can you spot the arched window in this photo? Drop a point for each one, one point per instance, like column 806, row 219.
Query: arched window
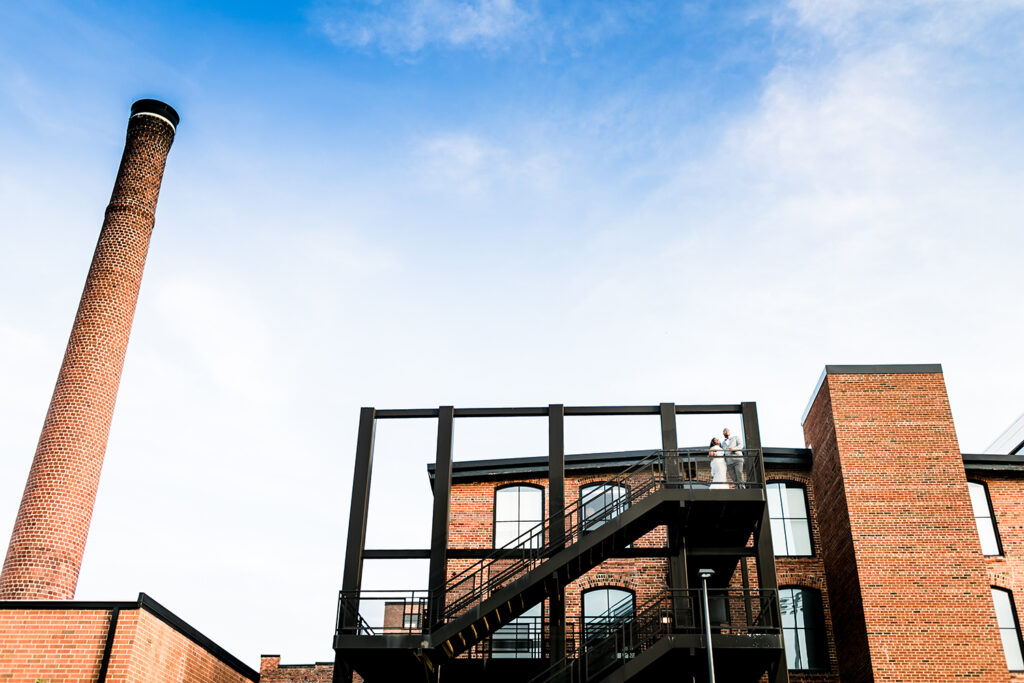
column 601, row 502
column 1009, row 628
column 787, row 508
column 803, row 628
column 519, row 516
column 605, row 609
column 983, row 517
column 521, row 638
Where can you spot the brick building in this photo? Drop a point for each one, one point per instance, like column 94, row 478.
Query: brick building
column 879, row 551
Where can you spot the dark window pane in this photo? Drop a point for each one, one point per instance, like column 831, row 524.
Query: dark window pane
column 803, row 629
column 601, row 502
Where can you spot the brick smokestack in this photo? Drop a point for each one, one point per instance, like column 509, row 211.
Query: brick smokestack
column 45, row 554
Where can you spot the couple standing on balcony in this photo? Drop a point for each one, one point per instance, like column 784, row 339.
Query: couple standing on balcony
column 726, row 468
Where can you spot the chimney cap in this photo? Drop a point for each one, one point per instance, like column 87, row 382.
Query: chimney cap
column 156, row 107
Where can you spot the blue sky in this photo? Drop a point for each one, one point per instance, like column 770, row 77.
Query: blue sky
column 477, row 202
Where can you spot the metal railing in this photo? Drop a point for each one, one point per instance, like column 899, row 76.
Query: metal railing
column 620, row 638
column 689, row 468
column 377, row 613
column 684, row 468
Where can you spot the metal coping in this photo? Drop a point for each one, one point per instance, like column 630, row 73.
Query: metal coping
column 894, row 369
column 1012, row 463
column 469, row 469
column 542, row 411
column 153, row 607
column 157, row 108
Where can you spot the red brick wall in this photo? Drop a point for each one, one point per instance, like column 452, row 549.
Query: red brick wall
column 45, row 553
column 806, row 572
column 67, row 645
column 271, row 671
column 51, row 645
column 1007, row 570
column 147, row 649
column 904, row 557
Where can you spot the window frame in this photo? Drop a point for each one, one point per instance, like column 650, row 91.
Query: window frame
column 602, row 587
column 535, row 627
column 824, row 627
column 582, row 506
column 494, row 514
column 1016, row 624
column 807, row 505
column 991, row 516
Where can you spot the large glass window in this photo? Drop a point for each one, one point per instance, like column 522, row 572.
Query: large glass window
column 1009, row 628
column 519, row 516
column 787, row 507
column 983, row 518
column 604, row 610
column 521, row 638
column 803, row 628
column 601, row 502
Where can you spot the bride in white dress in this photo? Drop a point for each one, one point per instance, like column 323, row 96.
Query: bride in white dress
column 717, row 457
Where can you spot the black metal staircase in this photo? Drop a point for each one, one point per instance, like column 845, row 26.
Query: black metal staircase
column 667, row 488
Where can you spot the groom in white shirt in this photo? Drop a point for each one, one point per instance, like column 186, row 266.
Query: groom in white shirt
column 733, row 465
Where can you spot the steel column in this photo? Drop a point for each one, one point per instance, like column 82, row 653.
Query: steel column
column 442, row 508
column 353, row 574
column 766, row 577
column 676, row 542
column 556, row 507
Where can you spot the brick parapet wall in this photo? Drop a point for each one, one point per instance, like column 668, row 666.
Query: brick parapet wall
column 66, row 645
column 900, row 550
column 272, row 671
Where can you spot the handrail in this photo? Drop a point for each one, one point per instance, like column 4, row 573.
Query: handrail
column 661, row 469
column 734, row 611
column 682, row 468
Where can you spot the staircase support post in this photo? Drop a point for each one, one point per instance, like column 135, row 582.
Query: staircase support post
column 442, row 508
column 556, row 503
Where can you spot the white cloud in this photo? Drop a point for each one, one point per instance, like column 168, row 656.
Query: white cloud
column 467, row 164
column 412, row 25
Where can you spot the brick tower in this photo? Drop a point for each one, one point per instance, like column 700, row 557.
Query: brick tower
column 909, row 590
column 45, row 554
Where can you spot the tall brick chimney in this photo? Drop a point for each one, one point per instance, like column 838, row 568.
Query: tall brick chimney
column 45, row 554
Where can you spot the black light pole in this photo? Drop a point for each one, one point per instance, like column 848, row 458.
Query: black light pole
column 706, row 574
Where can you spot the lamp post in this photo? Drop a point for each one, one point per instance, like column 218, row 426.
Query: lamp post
column 706, row 574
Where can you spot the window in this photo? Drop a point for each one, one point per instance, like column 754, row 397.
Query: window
column 605, row 609
column 518, row 510
column 1009, row 629
column 520, row 638
column 411, row 621
column 601, row 502
column 803, row 628
column 984, row 518
column 787, row 507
